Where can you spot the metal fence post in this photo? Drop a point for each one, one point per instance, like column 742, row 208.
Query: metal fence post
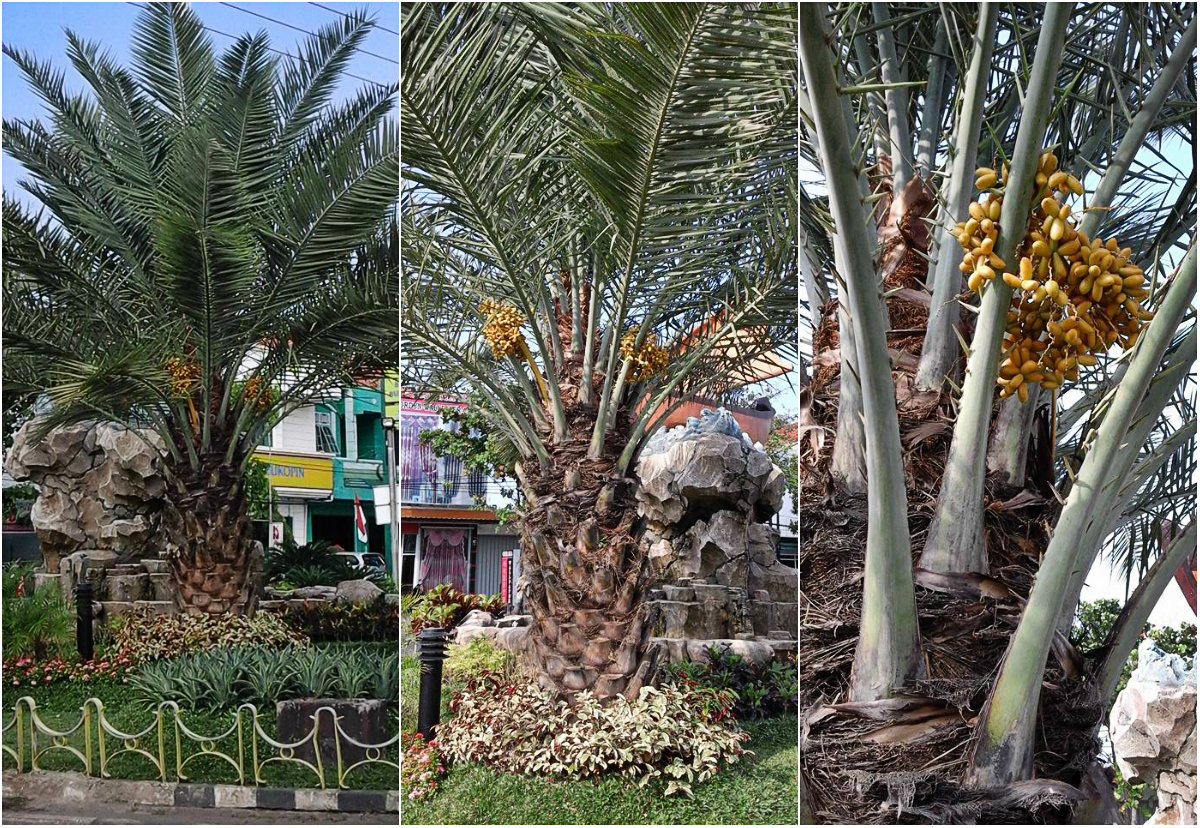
column 431, row 652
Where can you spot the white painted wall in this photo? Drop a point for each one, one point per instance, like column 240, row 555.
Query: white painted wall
column 296, row 432
column 298, row 514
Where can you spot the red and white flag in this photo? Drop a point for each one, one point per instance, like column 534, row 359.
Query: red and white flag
column 360, row 521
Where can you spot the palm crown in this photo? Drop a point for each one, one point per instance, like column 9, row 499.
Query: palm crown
column 217, row 239
column 597, row 216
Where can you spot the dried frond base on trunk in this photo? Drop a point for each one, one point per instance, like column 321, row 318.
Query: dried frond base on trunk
column 877, row 766
column 206, row 521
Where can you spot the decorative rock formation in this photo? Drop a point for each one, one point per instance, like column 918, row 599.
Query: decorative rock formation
column 1153, row 730
column 100, row 488
column 358, row 591
column 705, row 493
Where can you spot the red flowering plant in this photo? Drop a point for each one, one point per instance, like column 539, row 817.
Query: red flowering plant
column 25, row 672
column 421, row 765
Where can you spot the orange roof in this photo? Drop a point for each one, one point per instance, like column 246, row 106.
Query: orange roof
column 444, row 513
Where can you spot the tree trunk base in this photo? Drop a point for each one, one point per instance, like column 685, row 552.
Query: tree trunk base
column 905, row 759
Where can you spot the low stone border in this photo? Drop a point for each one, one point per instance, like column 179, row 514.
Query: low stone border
column 75, row 788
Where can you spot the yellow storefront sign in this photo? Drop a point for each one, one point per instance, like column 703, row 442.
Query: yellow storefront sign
column 297, row 471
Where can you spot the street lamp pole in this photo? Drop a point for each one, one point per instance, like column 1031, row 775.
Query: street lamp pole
column 389, row 426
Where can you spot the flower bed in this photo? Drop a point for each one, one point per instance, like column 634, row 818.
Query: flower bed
column 25, row 672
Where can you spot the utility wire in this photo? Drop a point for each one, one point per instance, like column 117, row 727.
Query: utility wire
column 271, row 49
column 305, row 31
column 343, row 14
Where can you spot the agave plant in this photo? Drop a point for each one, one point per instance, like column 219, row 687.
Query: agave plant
column 269, row 675
column 356, row 671
column 907, row 111
column 316, row 675
column 214, row 246
column 602, row 229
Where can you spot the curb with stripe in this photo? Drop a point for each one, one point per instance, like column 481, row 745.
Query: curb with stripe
column 73, row 787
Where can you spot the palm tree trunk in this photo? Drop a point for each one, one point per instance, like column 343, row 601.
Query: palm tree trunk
column 955, row 542
column 888, row 650
column 206, row 521
column 587, row 576
column 1003, row 752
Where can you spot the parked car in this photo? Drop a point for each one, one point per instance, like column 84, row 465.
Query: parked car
column 364, row 561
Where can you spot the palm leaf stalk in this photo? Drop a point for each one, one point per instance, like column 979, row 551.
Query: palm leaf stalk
column 1003, row 752
column 1127, row 629
column 1009, row 445
column 955, row 541
column 1127, row 474
column 599, row 198
column 215, row 248
column 888, row 651
column 895, row 98
column 937, row 94
column 940, row 350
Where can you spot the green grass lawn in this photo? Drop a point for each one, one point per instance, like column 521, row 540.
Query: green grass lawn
column 759, row 790
column 59, row 704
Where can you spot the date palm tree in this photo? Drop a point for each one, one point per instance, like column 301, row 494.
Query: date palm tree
column 935, row 651
column 210, row 241
column 598, row 222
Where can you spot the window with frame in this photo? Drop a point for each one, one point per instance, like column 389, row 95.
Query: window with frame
column 326, row 435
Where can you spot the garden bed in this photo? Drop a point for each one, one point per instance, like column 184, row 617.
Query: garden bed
column 59, row 707
column 761, row 790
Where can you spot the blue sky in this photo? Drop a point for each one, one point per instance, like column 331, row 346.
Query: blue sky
column 39, row 27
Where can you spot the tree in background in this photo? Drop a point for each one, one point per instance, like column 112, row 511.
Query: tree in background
column 1005, row 447
column 598, row 210
column 215, row 246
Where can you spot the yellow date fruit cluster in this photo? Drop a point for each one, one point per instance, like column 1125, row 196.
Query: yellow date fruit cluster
column 1073, row 297
column 262, row 395
column 185, row 375
column 649, row 360
column 502, row 331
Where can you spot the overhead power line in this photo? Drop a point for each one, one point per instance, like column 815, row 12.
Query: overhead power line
column 272, row 49
column 343, row 14
column 305, row 31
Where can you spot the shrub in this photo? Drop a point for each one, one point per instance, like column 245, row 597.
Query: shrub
column 421, row 765
column 444, row 606
column 37, row 624
column 324, row 621
column 313, row 564
column 145, row 637
column 225, row 678
column 678, row 734
column 759, row 691
column 384, row 581
column 477, row 656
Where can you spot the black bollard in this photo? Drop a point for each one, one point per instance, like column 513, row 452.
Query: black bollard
column 83, row 631
column 431, row 652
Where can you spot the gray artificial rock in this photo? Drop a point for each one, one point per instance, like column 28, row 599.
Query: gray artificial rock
column 704, row 493
column 1153, row 731
column 358, row 591
column 100, row 487
column 478, row 618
